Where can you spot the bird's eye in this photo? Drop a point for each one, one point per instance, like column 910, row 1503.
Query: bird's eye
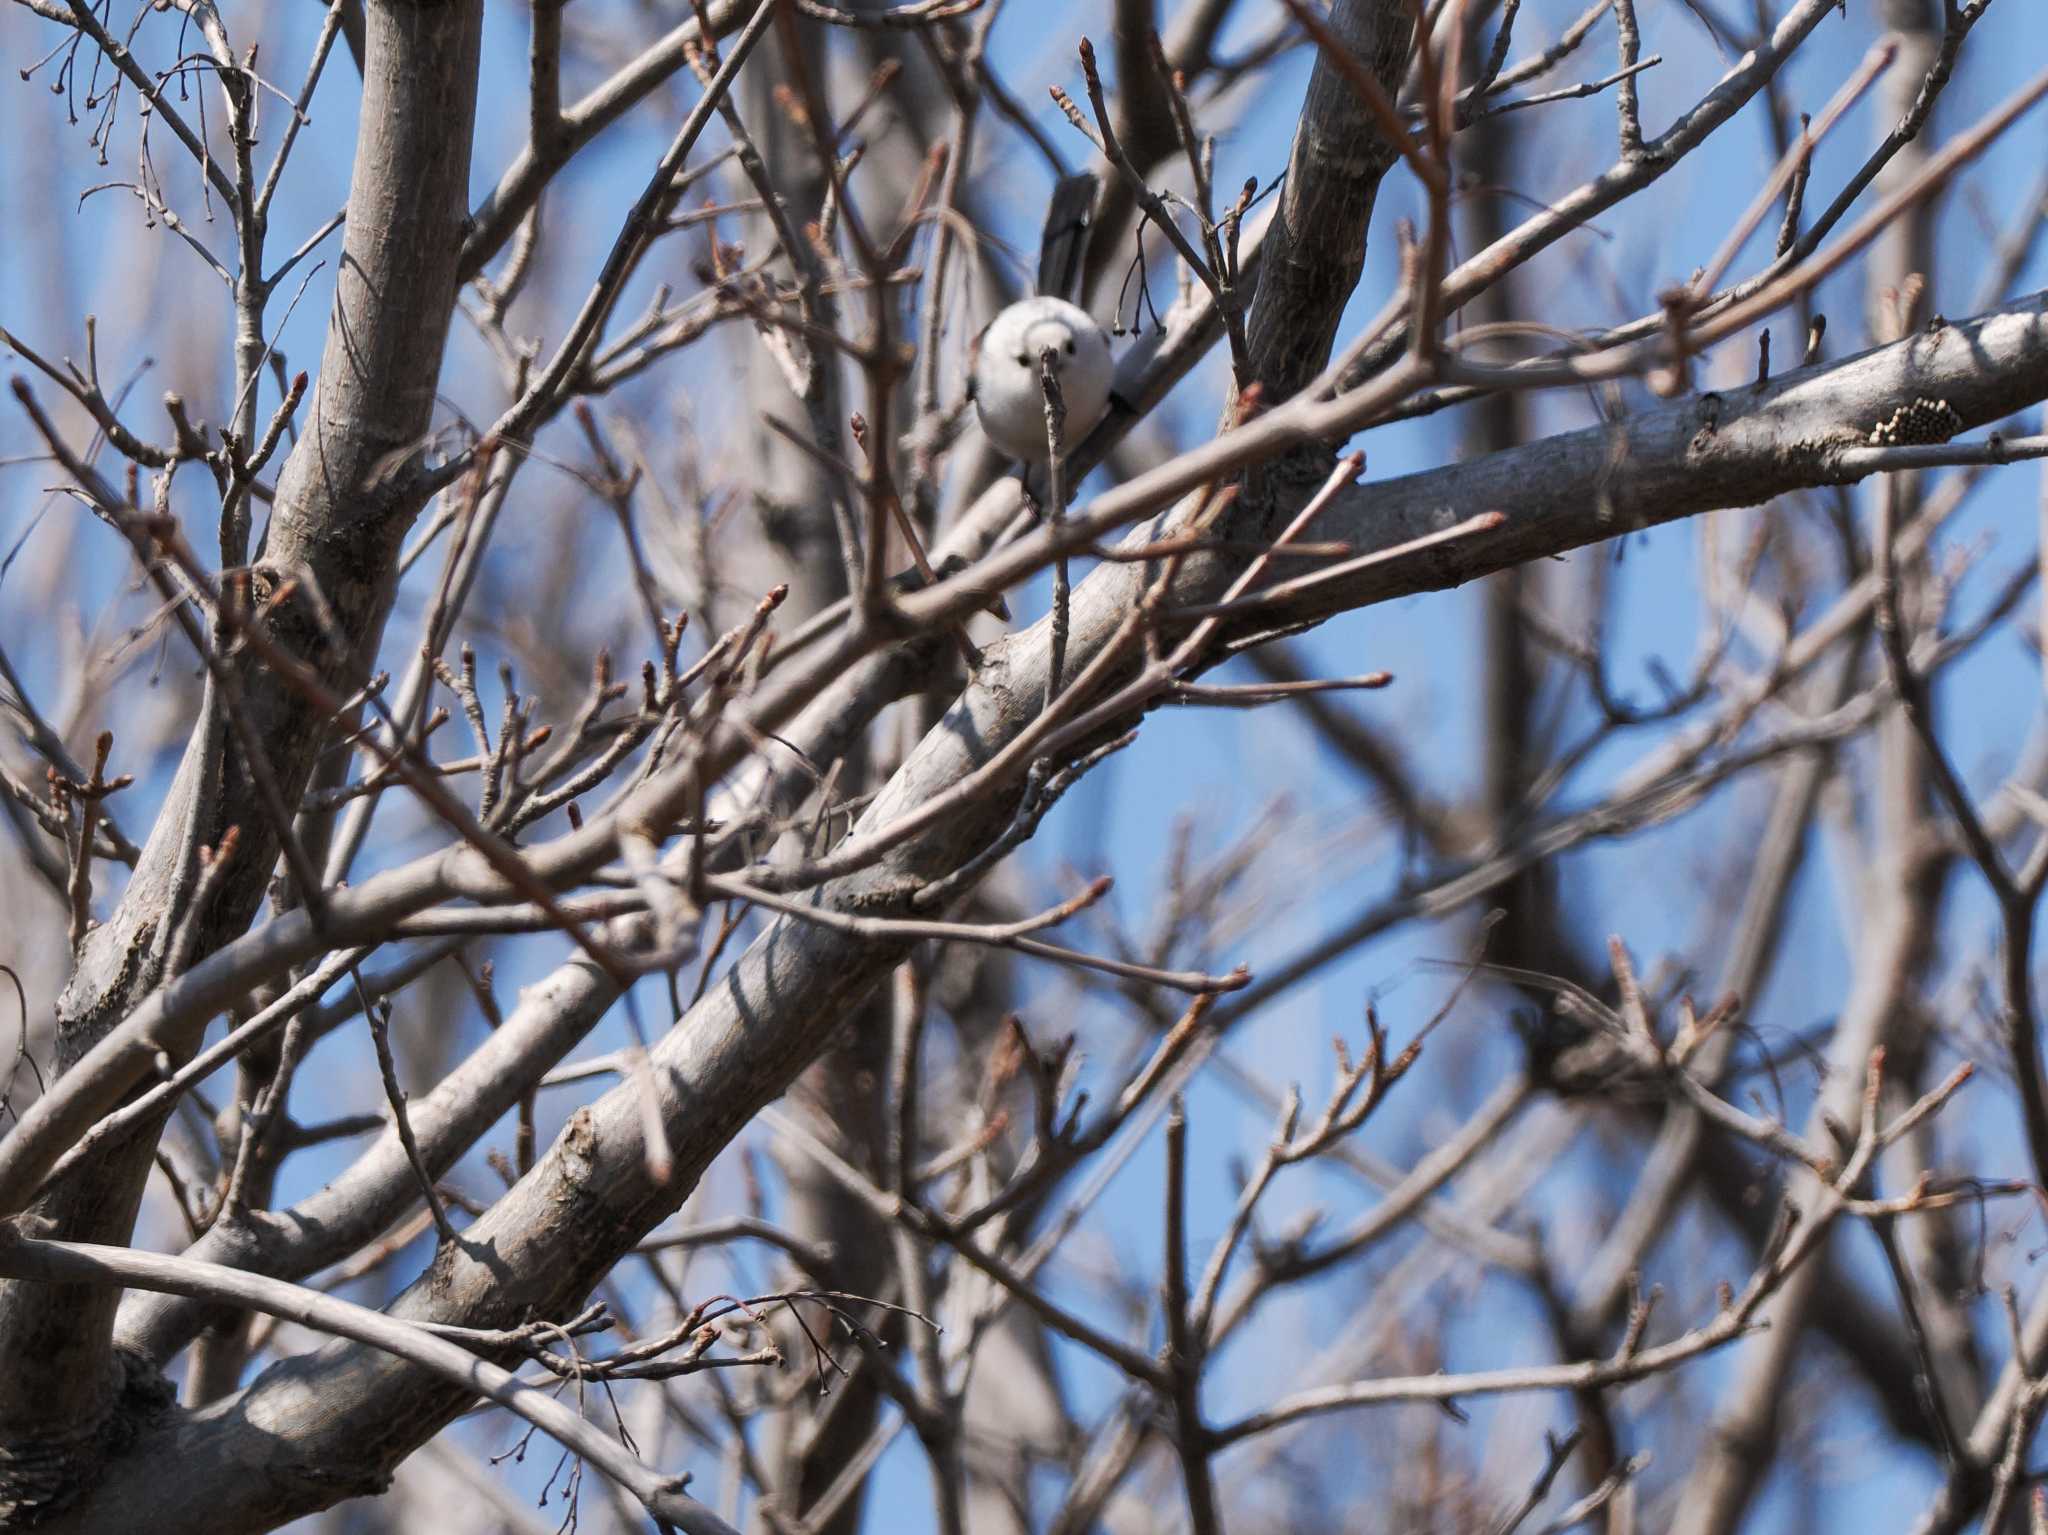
column 1023, row 361
column 1070, row 346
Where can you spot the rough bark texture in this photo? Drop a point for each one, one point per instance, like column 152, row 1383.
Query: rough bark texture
column 1317, row 248
column 336, row 527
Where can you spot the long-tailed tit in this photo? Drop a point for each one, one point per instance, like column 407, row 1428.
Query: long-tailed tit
column 1009, row 395
column 1004, row 371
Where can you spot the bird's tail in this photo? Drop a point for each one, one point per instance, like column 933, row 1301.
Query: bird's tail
column 1063, row 252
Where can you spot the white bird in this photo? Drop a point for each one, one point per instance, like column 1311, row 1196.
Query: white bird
column 1005, row 383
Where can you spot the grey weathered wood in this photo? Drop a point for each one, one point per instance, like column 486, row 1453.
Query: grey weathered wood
column 1316, row 250
column 337, row 526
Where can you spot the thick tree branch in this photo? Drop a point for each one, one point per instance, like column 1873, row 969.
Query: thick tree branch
column 1316, row 249
column 333, row 538
column 86, row 1263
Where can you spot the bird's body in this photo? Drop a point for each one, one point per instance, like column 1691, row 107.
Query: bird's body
column 1009, row 396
